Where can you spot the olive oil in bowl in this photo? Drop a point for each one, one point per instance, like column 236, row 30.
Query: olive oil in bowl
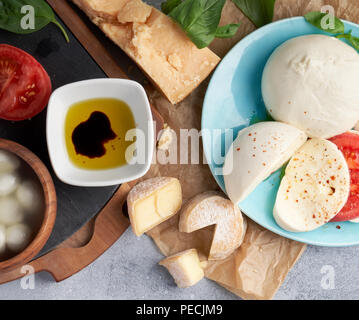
column 95, row 133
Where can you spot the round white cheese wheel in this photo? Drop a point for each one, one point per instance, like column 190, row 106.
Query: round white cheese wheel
column 210, row 208
column 2, row 239
column 10, row 212
column 311, row 82
column 314, row 189
column 258, row 151
column 18, row 237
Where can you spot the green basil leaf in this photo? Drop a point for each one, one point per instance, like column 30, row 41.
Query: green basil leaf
column 282, row 171
column 315, row 18
column 227, row 31
column 256, row 118
column 169, row 5
column 260, row 12
column 11, row 16
column 354, row 41
column 199, row 19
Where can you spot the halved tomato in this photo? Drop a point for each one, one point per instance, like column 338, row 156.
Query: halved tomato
column 25, row 86
column 348, row 144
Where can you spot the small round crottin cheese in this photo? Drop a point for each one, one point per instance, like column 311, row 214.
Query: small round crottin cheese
column 311, row 82
column 153, row 201
column 185, row 268
column 210, row 208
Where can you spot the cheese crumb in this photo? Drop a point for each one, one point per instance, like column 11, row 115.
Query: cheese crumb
column 166, row 138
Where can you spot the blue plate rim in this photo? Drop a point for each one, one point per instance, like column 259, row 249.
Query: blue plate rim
column 205, row 102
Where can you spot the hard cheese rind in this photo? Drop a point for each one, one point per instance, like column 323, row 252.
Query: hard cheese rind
column 184, row 267
column 156, row 43
column 314, row 189
column 153, row 201
column 210, row 208
column 258, row 151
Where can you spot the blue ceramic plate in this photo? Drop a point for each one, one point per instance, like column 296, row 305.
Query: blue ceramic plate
column 234, row 100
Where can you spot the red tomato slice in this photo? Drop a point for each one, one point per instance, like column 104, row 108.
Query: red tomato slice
column 348, row 143
column 25, row 86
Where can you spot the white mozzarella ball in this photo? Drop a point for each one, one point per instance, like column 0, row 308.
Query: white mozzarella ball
column 18, row 237
column 8, row 162
column 311, row 82
column 29, row 196
column 2, row 239
column 10, row 211
column 8, row 183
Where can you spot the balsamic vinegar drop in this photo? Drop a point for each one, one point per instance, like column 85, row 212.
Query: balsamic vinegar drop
column 95, row 133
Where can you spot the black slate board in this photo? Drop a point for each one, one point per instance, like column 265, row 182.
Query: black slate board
column 65, row 63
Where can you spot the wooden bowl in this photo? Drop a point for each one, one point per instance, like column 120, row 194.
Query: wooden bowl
column 50, row 205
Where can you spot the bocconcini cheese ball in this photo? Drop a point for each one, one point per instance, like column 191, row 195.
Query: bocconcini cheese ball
column 8, row 162
column 2, row 239
column 29, row 197
column 311, row 82
column 18, row 237
column 10, row 212
column 8, row 183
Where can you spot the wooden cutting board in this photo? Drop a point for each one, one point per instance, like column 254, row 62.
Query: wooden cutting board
column 99, row 234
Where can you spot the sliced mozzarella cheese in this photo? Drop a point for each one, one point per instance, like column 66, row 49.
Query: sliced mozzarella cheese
column 314, row 189
column 258, row 151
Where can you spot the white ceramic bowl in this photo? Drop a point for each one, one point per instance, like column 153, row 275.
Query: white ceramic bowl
column 60, row 101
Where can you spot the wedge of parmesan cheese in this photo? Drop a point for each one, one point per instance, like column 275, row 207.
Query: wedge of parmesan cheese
column 156, row 43
column 184, row 267
column 209, row 208
column 134, row 11
column 101, row 9
column 153, row 201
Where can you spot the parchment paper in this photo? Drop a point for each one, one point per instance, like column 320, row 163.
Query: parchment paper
column 258, row 268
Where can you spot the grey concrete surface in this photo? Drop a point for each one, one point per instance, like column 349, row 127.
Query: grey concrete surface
column 129, row 270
